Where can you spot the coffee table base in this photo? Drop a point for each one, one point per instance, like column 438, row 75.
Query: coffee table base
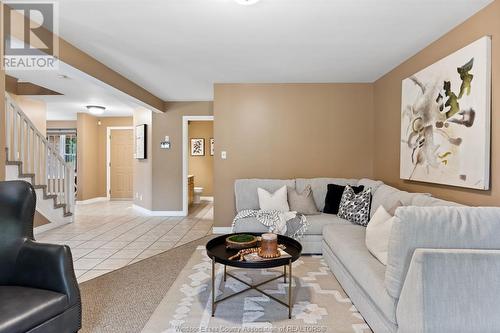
column 255, row 287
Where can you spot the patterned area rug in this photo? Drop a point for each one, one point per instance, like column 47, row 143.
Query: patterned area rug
column 320, row 304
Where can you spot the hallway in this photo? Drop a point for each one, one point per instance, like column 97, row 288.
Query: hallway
column 109, row 235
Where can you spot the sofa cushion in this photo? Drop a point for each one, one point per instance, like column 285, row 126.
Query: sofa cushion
column 22, row 308
column 422, row 200
column 347, row 242
column 437, row 228
column 316, row 224
column 319, row 187
column 249, row 224
column 389, row 196
column 369, row 183
column 245, row 190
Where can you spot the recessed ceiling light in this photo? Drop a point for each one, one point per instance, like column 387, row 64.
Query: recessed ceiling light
column 246, row 2
column 96, row 109
column 62, row 76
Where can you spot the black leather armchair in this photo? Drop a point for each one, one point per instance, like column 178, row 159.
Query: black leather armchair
column 38, row 288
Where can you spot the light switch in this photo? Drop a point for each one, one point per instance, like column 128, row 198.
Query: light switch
column 223, row 155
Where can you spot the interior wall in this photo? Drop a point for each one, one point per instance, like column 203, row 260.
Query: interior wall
column 143, row 169
column 387, row 92
column 167, row 163
column 61, row 124
column 35, row 110
column 289, row 131
column 92, row 151
column 87, row 156
column 202, row 167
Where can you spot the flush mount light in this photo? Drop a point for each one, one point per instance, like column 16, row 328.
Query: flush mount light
column 246, row 2
column 95, row 109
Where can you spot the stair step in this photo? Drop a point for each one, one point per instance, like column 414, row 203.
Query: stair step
column 68, row 214
column 40, row 187
column 14, row 163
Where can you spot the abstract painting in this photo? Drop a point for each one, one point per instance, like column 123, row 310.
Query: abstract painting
column 445, row 120
column 197, row 147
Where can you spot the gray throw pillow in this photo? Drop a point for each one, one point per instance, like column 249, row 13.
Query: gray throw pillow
column 302, row 202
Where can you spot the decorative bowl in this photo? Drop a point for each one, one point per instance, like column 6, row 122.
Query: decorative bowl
column 241, row 241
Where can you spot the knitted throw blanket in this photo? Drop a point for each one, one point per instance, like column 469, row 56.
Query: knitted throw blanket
column 289, row 224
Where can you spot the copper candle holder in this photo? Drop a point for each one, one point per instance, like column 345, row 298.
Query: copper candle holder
column 269, row 246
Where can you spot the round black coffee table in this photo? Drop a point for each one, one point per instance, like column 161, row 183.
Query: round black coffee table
column 217, row 251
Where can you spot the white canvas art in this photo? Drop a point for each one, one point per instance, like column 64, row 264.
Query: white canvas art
column 445, row 120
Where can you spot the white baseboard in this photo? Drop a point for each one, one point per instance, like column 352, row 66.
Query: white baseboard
column 159, row 212
column 221, row 230
column 211, row 199
column 91, row 201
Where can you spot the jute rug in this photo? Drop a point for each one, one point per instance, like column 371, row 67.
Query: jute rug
column 320, row 304
column 122, row 301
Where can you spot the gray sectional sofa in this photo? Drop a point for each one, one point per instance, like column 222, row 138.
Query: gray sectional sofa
column 443, row 271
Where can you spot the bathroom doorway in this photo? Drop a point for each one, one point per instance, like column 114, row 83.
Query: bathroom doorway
column 199, row 153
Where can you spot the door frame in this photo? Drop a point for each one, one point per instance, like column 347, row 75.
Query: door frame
column 108, row 155
column 185, row 156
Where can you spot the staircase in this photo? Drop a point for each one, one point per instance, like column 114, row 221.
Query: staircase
column 32, row 158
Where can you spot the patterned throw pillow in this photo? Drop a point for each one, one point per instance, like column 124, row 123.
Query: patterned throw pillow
column 355, row 207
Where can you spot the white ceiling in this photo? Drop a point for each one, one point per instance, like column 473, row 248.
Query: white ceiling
column 79, row 90
column 178, row 49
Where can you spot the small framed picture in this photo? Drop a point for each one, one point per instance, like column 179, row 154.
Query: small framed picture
column 212, row 148
column 197, row 147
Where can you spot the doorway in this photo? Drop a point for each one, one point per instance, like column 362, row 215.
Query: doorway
column 198, row 160
column 120, row 163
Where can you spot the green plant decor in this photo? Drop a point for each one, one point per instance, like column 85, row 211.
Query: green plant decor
column 243, row 238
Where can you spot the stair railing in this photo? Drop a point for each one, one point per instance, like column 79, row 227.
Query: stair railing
column 39, row 159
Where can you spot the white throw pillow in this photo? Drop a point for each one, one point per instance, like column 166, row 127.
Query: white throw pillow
column 378, row 232
column 276, row 201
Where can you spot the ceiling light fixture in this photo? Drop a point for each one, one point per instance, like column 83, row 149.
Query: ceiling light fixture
column 246, row 2
column 96, row 109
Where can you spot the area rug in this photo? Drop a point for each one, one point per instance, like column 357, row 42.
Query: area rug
column 320, row 304
column 122, row 301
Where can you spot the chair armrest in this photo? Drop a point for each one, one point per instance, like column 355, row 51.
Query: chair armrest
column 49, row 267
column 451, row 290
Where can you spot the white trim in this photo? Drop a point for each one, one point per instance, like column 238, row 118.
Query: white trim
column 91, row 201
column 108, row 154
column 158, row 212
column 185, row 147
column 211, row 199
column 221, row 230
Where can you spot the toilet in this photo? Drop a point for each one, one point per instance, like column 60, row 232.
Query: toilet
column 197, row 194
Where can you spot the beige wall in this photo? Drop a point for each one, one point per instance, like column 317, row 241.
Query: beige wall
column 87, row 156
column 202, row 167
column 387, row 92
column 34, row 109
column 289, row 131
column 167, row 163
column 61, row 124
column 143, row 169
column 91, row 153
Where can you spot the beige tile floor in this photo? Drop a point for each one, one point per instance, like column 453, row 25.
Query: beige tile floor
column 109, row 235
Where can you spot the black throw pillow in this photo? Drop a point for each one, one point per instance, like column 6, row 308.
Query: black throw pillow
column 334, row 195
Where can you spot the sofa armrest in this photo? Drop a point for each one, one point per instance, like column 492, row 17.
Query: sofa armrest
column 49, row 267
column 437, row 228
column 451, row 290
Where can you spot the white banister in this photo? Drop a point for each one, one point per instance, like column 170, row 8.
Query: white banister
column 27, row 145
